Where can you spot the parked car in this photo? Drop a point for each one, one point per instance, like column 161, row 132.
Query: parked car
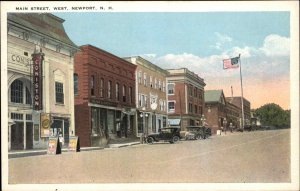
column 197, row 132
column 170, row 134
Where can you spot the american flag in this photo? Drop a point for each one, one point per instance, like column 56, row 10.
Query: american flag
column 231, row 63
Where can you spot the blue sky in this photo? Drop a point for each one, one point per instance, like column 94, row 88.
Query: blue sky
column 199, row 41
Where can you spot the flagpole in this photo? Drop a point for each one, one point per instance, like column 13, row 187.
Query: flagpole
column 242, row 98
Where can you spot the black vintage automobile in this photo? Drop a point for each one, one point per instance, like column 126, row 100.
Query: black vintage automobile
column 197, row 132
column 170, row 134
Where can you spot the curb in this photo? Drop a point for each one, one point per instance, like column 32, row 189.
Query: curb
column 44, row 152
column 122, row 145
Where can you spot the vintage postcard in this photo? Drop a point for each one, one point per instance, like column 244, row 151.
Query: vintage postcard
column 169, row 95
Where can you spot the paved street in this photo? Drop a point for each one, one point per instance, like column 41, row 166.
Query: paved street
column 251, row 157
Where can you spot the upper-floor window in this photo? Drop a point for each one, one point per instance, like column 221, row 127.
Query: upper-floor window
column 191, row 90
column 101, row 87
column 109, row 89
column 171, row 89
column 124, row 93
column 191, row 107
column 145, row 79
column 117, row 91
column 92, row 85
column 164, row 86
column 171, row 106
column 155, row 83
column 75, row 84
column 195, row 92
column 151, row 82
column 196, row 109
column 140, row 77
column 159, row 85
column 130, row 95
column 59, row 92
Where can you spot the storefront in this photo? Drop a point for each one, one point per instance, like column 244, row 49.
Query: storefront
column 40, row 80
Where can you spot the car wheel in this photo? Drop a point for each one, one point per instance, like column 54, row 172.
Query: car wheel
column 175, row 139
column 197, row 137
column 150, row 140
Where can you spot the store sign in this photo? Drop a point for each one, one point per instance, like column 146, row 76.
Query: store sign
column 53, row 146
column 45, row 124
column 20, row 59
column 38, row 80
column 74, row 144
column 102, row 102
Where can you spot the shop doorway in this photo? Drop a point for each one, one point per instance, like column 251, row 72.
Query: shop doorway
column 29, row 135
column 17, row 136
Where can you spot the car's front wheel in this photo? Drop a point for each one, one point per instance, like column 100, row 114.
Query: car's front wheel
column 150, row 140
column 175, row 139
column 197, row 137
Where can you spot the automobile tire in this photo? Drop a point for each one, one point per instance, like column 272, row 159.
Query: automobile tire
column 197, row 137
column 150, row 140
column 175, row 139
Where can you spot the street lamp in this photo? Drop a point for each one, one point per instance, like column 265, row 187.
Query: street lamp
column 203, row 120
column 225, row 122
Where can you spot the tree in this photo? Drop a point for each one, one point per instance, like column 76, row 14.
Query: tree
column 273, row 115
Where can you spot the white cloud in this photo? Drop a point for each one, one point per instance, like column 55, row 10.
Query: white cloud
column 275, row 45
column 222, row 39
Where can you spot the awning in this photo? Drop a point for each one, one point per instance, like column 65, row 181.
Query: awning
column 174, row 122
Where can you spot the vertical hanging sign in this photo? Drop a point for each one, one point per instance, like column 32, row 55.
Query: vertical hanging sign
column 37, row 59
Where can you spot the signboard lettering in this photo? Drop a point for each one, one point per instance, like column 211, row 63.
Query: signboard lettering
column 38, row 80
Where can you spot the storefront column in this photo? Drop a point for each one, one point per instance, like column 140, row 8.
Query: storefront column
column 24, row 130
column 10, row 123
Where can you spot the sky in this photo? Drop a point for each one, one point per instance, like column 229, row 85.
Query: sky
column 199, row 41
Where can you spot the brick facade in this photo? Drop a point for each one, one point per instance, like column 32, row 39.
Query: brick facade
column 105, row 101
column 187, row 96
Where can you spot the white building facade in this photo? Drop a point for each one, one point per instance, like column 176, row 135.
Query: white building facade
column 151, row 96
column 40, row 80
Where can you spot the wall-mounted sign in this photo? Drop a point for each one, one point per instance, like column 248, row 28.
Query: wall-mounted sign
column 38, row 80
column 45, row 124
column 36, row 132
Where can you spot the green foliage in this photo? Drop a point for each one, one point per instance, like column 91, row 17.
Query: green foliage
column 273, row 115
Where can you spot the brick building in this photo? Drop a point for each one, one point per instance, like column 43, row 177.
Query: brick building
column 185, row 91
column 233, row 114
column 237, row 101
column 104, row 87
column 215, row 109
column 151, row 96
column 40, row 80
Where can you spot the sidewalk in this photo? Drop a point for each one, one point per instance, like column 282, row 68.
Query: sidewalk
column 118, row 143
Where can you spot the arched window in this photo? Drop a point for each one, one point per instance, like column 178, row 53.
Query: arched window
column 16, row 94
column 19, row 93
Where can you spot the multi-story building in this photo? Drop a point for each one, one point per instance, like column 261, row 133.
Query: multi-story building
column 215, row 109
column 237, row 101
column 185, row 91
column 151, row 96
column 40, row 80
column 233, row 113
column 104, row 90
